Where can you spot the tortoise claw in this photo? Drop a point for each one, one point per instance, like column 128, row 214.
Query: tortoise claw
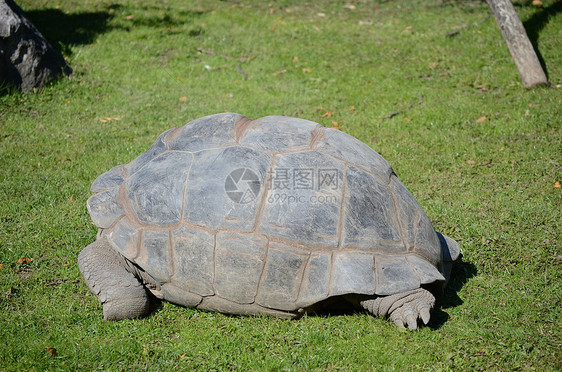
column 397, row 319
column 412, row 322
column 425, row 315
column 417, row 305
column 403, row 308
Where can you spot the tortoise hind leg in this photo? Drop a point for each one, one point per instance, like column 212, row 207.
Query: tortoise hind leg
column 402, row 308
column 112, row 280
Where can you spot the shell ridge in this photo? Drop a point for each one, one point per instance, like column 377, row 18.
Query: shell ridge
column 171, row 256
column 416, row 222
column 413, row 269
column 148, row 162
column 358, row 166
column 184, row 194
column 344, row 201
column 262, row 273
column 139, row 240
column 242, row 126
column 395, row 219
column 317, row 135
column 331, row 276
column 214, row 276
column 261, row 205
column 301, row 280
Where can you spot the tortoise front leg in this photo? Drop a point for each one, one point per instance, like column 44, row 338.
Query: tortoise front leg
column 402, row 308
column 110, row 277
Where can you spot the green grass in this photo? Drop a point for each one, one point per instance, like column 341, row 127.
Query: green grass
column 489, row 184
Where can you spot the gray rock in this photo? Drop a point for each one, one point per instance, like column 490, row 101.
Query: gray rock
column 27, row 60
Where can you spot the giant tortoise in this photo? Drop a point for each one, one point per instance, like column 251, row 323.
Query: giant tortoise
column 278, row 216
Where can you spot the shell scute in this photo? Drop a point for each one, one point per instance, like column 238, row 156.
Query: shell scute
column 125, row 237
column 105, row 208
column 427, row 241
column 158, row 147
column 279, row 286
column 209, row 132
column 110, row 179
column 301, row 204
column 238, row 265
column 353, row 272
column 155, row 192
column 279, row 133
column 354, row 152
column 427, row 272
column 209, row 203
column 316, row 279
column 193, row 252
column 369, row 213
column 394, row 275
column 154, row 256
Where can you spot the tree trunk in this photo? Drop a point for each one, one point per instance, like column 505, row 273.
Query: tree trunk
column 524, row 56
column 27, row 60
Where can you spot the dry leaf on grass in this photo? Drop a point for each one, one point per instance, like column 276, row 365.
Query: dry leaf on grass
column 24, row 261
column 52, row 351
column 336, row 124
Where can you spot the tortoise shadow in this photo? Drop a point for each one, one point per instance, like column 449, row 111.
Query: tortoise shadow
column 460, row 275
column 462, row 272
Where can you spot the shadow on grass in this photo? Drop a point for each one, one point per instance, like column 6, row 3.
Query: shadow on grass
column 66, row 30
column 462, row 272
column 536, row 23
column 339, row 305
column 460, row 275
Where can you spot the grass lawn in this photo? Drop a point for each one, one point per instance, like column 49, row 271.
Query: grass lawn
column 481, row 154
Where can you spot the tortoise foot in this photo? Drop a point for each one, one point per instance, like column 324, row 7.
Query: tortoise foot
column 403, row 308
column 108, row 276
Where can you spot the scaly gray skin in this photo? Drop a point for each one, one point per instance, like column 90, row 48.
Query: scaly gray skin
column 125, row 291
column 118, row 284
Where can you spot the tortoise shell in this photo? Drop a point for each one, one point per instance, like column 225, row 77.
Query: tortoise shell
column 277, row 213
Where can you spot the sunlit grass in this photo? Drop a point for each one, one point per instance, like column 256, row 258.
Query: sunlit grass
column 480, row 154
